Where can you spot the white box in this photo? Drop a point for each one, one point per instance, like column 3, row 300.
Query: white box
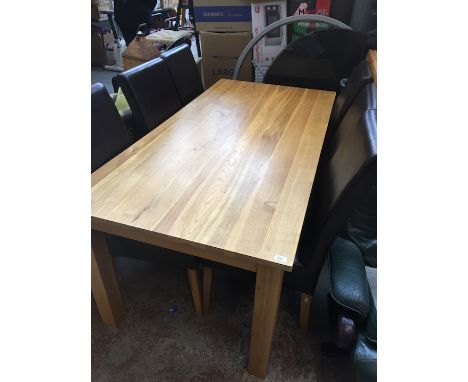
column 270, row 46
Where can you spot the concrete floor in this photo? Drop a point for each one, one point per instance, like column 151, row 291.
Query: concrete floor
column 103, row 76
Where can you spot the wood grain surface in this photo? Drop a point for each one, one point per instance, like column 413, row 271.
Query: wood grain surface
column 227, row 178
column 104, row 282
column 265, row 312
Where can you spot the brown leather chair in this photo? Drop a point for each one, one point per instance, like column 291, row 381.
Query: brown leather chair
column 150, row 92
column 184, row 72
column 109, row 137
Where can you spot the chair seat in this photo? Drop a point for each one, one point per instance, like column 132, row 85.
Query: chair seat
column 121, row 102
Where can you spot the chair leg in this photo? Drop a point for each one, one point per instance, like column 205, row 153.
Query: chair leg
column 207, row 276
column 305, row 312
column 194, row 280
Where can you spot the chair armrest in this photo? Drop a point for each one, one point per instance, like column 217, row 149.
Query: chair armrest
column 348, row 279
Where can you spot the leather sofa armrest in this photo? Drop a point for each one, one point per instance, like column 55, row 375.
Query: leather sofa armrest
column 348, row 279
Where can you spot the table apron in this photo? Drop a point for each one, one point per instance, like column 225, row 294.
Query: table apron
column 190, row 248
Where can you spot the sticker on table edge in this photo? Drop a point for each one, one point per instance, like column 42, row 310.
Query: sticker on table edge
column 280, row 259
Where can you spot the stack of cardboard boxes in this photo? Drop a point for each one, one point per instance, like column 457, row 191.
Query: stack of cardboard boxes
column 227, row 26
column 225, row 29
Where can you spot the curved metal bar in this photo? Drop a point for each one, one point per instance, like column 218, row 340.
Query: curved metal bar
column 279, row 23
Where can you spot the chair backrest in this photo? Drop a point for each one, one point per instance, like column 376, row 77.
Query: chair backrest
column 365, row 100
column 360, row 76
column 341, row 185
column 150, row 93
column 361, row 227
column 319, row 60
column 184, row 72
column 109, row 136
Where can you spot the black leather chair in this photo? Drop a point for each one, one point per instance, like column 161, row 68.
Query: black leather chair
column 365, row 100
column 109, row 137
column 361, row 228
column 150, row 93
column 342, row 184
column 319, row 60
column 352, row 309
column 360, row 76
column 184, row 73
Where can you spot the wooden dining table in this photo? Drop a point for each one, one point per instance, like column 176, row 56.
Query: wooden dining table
column 228, row 179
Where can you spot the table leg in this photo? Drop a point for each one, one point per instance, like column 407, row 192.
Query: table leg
column 104, row 282
column 267, row 296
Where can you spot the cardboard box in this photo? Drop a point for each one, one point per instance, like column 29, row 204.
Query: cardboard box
column 220, row 52
column 299, row 7
column 98, row 6
column 99, row 42
column 223, row 16
column 270, row 46
column 169, row 4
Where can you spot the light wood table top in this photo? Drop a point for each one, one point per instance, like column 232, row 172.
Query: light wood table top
column 227, row 178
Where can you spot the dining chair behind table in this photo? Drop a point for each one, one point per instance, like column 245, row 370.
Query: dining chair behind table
column 342, row 185
column 318, row 60
column 360, row 76
column 150, row 92
column 365, row 100
column 184, row 72
column 109, row 137
column 361, row 228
